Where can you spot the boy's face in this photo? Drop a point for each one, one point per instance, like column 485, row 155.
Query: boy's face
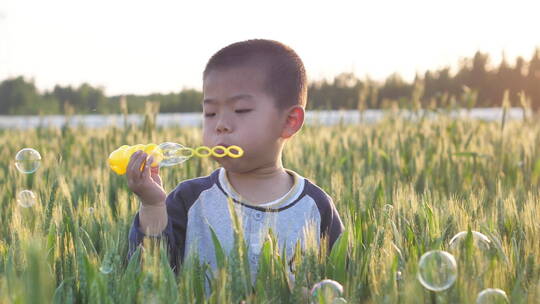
column 238, row 111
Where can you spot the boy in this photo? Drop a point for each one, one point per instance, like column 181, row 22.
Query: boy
column 255, row 92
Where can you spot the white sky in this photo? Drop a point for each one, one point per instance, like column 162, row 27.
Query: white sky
column 162, row 46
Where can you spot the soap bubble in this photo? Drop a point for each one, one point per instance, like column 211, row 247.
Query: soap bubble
column 492, row 296
column 26, row 198
column 105, row 268
column 459, row 241
column 106, row 264
column 437, row 270
column 27, row 160
column 327, row 291
column 472, row 251
column 173, row 154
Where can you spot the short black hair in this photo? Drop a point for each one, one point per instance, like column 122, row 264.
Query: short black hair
column 286, row 78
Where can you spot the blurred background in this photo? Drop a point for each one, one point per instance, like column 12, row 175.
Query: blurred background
column 404, row 186
column 83, row 57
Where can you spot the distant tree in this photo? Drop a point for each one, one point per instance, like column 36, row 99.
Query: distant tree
column 18, row 96
column 501, row 83
column 395, row 88
column 65, row 95
column 475, row 83
column 90, row 99
column 533, row 79
column 479, row 77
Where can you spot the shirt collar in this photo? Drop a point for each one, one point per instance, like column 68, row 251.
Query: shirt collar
column 288, row 198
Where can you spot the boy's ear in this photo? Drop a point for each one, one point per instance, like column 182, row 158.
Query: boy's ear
column 293, row 121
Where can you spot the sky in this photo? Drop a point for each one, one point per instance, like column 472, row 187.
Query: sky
column 142, row 47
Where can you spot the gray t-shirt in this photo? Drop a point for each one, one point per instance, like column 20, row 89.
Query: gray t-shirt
column 199, row 203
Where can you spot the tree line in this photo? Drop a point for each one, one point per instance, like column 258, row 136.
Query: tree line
column 475, row 83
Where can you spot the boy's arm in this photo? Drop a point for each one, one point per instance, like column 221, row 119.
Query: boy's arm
column 174, row 232
column 331, row 224
column 153, row 218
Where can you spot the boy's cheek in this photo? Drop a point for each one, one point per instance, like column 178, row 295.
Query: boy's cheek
column 206, row 139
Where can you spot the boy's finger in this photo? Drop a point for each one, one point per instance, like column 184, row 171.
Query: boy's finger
column 132, row 159
column 129, row 172
column 142, row 163
column 149, row 161
column 145, row 174
column 153, row 169
column 136, row 165
column 154, row 173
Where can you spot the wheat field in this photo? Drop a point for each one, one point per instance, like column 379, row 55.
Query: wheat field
column 402, row 188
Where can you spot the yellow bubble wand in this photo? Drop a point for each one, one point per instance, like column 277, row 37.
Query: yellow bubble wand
column 168, row 154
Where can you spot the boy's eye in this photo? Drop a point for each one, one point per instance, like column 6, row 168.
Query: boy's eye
column 209, row 114
column 243, row 111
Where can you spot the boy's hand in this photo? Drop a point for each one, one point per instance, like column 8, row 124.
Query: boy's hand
column 146, row 184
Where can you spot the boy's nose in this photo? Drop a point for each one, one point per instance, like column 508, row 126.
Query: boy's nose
column 222, row 126
column 222, row 129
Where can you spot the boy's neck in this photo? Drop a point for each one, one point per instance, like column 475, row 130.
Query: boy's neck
column 263, row 184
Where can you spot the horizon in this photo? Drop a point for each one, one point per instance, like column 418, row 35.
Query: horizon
column 143, row 50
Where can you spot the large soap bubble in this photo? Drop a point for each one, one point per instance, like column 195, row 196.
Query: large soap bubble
column 26, row 198
column 492, row 296
column 437, row 270
column 106, row 266
column 27, row 160
column 459, row 243
column 473, row 251
column 173, row 154
column 327, row 291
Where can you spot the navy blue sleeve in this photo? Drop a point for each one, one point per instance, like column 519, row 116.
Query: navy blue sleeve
column 174, row 233
column 331, row 224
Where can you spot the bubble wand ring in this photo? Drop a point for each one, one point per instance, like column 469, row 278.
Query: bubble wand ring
column 202, row 151
column 239, row 152
column 217, row 154
column 189, row 154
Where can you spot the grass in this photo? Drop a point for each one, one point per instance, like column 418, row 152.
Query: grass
column 402, row 188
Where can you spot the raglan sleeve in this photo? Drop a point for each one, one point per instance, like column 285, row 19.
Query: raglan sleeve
column 331, row 224
column 174, row 233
